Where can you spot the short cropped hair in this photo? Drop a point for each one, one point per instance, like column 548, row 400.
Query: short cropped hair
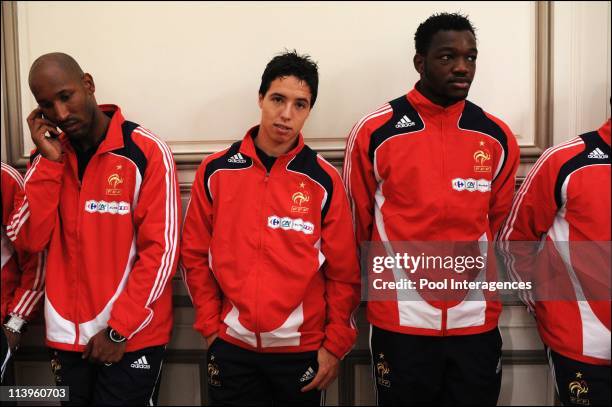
column 290, row 63
column 439, row 22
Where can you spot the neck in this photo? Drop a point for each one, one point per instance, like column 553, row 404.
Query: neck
column 433, row 97
column 99, row 126
column 265, row 144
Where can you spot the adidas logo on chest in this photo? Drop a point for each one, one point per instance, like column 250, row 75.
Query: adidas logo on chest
column 236, row 159
column 404, row 122
column 598, row 154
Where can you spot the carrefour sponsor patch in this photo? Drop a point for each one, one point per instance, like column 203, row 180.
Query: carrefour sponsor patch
column 471, row 184
column 286, row 223
column 112, row 208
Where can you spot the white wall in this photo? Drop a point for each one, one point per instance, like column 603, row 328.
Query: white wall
column 581, row 61
column 191, row 71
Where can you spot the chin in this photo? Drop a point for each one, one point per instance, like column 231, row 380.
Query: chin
column 458, row 95
column 75, row 136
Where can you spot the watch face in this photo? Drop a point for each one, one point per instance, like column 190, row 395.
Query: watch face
column 115, row 337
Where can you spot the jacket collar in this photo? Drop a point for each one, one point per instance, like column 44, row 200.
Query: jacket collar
column 113, row 139
column 248, row 146
column 422, row 104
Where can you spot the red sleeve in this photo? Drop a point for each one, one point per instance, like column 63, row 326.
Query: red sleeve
column 36, row 207
column 531, row 216
column 503, row 185
column 195, row 267
column 341, row 268
column 156, row 222
column 31, row 288
column 360, row 180
column 23, row 273
column 533, row 208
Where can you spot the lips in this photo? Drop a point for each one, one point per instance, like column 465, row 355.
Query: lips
column 282, row 129
column 69, row 127
column 460, row 83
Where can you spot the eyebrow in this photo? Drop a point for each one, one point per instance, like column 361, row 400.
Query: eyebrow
column 58, row 93
column 454, row 49
column 285, row 97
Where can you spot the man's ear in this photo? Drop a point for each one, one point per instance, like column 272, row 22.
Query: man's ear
column 89, row 84
column 419, row 63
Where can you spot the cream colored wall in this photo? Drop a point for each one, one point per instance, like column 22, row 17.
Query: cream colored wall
column 191, row 71
column 581, row 60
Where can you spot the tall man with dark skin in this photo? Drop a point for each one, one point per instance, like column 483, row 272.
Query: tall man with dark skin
column 432, row 166
column 101, row 194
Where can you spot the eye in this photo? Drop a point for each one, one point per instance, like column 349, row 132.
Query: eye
column 471, row 58
column 277, row 99
column 300, row 105
column 64, row 97
column 446, row 57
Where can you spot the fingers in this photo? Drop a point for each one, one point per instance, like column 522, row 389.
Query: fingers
column 39, row 124
column 51, row 129
column 34, row 114
column 325, row 376
column 211, row 339
column 329, row 378
column 315, row 382
column 87, row 351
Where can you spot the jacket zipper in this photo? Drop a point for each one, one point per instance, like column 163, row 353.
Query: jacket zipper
column 259, row 256
column 80, row 266
column 78, row 244
column 445, row 208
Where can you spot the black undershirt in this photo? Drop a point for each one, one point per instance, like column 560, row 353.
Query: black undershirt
column 266, row 160
column 84, row 156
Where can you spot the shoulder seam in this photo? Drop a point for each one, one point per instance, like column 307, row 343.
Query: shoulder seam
column 520, row 194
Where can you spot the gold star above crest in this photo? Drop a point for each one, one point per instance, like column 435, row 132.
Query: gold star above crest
column 302, row 185
column 482, row 143
column 118, row 167
column 381, row 355
column 578, row 375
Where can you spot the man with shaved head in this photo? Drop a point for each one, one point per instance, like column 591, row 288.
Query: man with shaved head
column 101, row 196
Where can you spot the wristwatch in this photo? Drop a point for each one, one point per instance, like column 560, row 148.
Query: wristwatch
column 14, row 324
column 115, row 336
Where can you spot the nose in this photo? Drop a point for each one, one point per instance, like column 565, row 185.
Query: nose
column 61, row 111
column 461, row 66
column 286, row 112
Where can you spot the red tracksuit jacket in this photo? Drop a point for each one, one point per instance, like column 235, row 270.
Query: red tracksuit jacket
column 566, row 197
column 270, row 260
column 23, row 274
column 112, row 239
column 416, row 171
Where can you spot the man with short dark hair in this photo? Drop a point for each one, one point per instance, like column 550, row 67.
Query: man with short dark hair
column 102, row 195
column 432, row 166
column 269, row 254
